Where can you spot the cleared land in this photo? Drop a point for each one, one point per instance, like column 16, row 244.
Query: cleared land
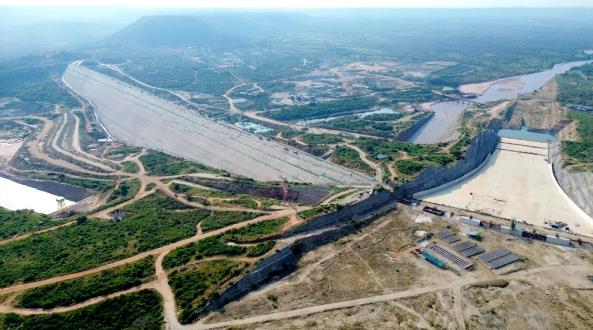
column 516, row 182
column 178, row 131
column 370, row 280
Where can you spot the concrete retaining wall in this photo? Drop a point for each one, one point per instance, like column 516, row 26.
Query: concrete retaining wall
column 480, row 148
column 348, row 213
column 577, row 185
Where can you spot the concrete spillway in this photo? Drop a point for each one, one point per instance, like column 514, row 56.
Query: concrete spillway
column 142, row 119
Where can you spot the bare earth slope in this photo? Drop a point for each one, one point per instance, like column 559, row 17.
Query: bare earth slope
column 141, row 119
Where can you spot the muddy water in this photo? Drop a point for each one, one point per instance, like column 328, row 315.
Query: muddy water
column 442, row 126
column 509, row 88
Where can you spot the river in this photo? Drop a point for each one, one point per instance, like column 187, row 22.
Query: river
column 443, row 125
column 16, row 196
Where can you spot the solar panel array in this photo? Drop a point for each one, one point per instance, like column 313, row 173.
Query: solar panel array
column 468, row 248
column 444, row 233
column 472, row 251
column 457, row 261
column 494, row 254
column 499, row 258
column 448, row 236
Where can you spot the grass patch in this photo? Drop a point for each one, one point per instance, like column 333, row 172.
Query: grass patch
column 255, row 231
column 317, row 210
column 260, row 249
column 130, row 167
column 19, row 222
column 126, row 191
column 418, row 156
column 324, row 109
column 408, row 166
column 122, row 152
column 158, row 163
column 349, row 157
column 139, row 310
column 321, row 139
column 581, row 151
column 197, row 284
column 78, row 290
column 223, row 219
column 207, row 247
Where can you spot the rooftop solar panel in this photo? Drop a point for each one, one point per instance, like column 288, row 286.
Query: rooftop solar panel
column 464, row 245
column 502, row 261
column 472, row 251
column 494, row 254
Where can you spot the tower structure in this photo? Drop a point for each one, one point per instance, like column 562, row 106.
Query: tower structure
column 61, row 205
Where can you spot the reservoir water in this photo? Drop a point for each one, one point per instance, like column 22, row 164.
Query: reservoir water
column 16, row 196
column 524, row 134
column 442, row 126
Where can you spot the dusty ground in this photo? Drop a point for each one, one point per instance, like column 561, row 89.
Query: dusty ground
column 516, row 183
column 539, row 111
column 370, row 280
column 477, row 89
column 8, row 149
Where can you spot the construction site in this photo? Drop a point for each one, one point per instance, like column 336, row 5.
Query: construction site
column 484, row 243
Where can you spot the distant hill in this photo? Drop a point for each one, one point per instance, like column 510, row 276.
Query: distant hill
column 171, row 31
column 218, row 30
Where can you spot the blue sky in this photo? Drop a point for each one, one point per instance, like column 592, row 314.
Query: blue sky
column 303, row 3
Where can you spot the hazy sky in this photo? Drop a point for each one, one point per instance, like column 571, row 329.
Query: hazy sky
column 303, row 3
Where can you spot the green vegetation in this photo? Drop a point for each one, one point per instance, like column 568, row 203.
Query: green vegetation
column 126, row 191
column 255, row 231
column 575, row 87
column 130, row 167
column 158, row 163
column 412, row 95
column 326, row 109
column 581, row 152
column 19, row 222
column 196, row 284
column 78, row 290
column 417, row 156
column 223, row 219
column 207, row 247
column 139, row 310
column 409, row 167
column 33, row 79
column 122, row 152
column 12, row 130
column 91, row 184
column 349, row 157
column 261, row 249
column 150, row 223
column 317, row 210
column 383, row 125
column 321, row 139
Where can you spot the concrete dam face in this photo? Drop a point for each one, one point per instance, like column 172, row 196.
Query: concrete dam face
column 139, row 118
